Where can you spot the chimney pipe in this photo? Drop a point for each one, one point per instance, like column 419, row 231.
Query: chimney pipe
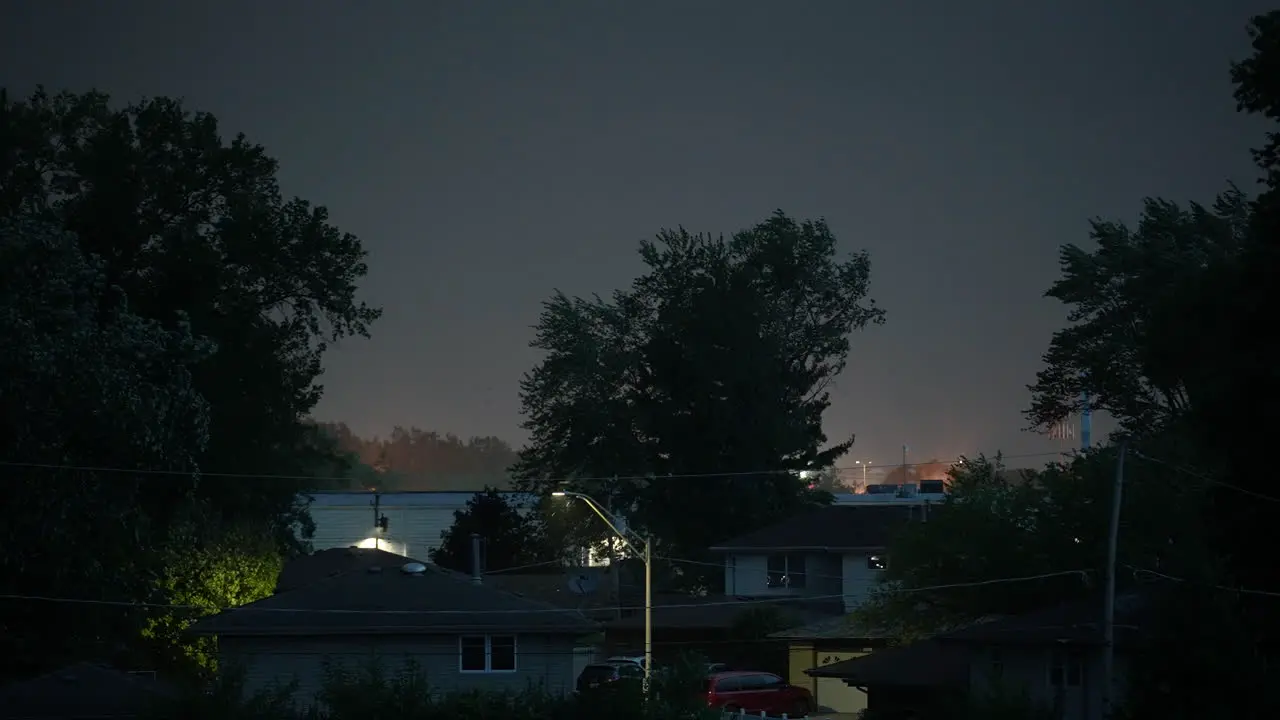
column 475, row 559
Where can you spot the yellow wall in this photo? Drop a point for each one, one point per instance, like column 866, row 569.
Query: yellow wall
column 829, row 693
column 802, row 658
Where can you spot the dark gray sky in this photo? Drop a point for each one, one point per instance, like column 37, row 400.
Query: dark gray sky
column 489, row 152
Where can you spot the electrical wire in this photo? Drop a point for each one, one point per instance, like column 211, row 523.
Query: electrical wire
column 602, row 478
column 537, row 611
column 1225, row 588
column 1202, row 477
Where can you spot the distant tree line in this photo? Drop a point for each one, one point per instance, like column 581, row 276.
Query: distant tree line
column 415, row 459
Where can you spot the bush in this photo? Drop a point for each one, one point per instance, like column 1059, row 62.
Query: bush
column 373, row 692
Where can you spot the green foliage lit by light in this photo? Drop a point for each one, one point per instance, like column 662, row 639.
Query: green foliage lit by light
column 205, row 581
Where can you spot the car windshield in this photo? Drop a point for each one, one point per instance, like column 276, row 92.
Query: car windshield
column 598, row 672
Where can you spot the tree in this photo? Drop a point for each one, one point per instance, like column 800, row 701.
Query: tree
column 133, row 406
column 510, row 538
column 416, row 459
column 1165, row 331
column 989, row 528
column 1128, row 302
column 711, row 368
column 194, row 229
column 138, row 238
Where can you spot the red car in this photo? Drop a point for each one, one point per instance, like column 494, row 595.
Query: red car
column 757, row 692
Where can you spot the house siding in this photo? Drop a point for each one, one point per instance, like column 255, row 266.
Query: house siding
column 546, row 661
column 858, row 579
column 415, row 520
column 747, row 575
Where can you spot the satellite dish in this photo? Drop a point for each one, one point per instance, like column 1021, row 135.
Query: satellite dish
column 583, row 582
column 413, row 568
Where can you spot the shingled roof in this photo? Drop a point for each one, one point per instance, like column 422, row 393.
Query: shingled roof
column 384, row 600
column 832, row 528
column 84, row 690
column 673, row 610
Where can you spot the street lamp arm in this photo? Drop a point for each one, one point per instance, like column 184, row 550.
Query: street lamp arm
column 647, row 555
column 591, row 503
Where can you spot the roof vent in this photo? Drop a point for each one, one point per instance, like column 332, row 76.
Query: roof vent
column 413, row 568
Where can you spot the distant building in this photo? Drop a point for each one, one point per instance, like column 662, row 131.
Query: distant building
column 413, row 526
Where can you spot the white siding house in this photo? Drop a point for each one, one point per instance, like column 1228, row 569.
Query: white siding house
column 835, row 553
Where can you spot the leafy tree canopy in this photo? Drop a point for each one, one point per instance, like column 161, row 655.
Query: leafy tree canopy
column 715, row 363
column 1166, row 320
column 1051, row 521
column 510, row 538
column 138, row 238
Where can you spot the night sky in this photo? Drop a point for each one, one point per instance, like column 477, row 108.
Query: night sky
column 490, row 152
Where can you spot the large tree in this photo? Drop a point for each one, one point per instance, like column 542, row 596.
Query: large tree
column 707, row 379
column 509, row 537
column 1169, row 331
column 170, row 257
column 85, row 381
column 190, row 226
column 1051, row 521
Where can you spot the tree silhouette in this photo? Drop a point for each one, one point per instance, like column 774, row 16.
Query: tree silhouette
column 509, row 538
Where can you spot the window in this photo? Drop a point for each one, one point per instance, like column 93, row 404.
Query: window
column 1065, row 668
column 877, row 562
column 786, row 571
column 487, row 653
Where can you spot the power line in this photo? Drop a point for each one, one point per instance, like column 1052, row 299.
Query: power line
column 1203, row 478
column 602, row 478
column 531, row 611
column 1225, row 588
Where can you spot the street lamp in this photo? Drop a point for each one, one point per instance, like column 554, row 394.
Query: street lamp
column 864, row 464
column 648, row 573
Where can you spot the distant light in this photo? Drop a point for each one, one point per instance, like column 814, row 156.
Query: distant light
column 557, row 493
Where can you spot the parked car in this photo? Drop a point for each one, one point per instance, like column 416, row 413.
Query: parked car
column 608, row 675
column 757, row 692
column 636, row 659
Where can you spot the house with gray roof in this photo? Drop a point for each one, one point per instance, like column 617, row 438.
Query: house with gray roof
column 461, row 633
column 831, row 552
column 1052, row 654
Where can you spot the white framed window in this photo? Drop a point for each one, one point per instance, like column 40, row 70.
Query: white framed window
column 487, row 653
column 786, row 570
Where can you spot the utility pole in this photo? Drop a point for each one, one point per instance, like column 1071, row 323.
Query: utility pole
column 648, row 612
column 904, row 465
column 1109, row 602
column 615, row 569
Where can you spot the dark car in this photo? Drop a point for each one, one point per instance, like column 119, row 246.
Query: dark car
column 757, row 692
column 604, row 676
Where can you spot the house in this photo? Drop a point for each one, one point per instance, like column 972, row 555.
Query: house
column 836, row 551
column 1051, row 654
column 85, row 691
column 461, row 633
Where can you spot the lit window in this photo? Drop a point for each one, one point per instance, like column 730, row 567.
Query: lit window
column 877, row 562
column 786, row 571
column 487, row 653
